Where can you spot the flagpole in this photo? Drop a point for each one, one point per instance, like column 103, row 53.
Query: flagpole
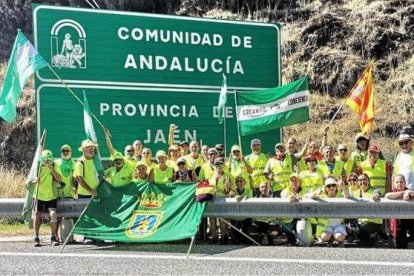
column 43, row 142
column 224, row 130
column 73, row 93
column 238, row 126
column 349, row 94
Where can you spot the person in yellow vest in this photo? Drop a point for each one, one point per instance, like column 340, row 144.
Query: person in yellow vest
column 372, row 225
column 184, row 148
column 312, row 179
column 292, row 150
column 162, row 174
column 404, row 162
column 225, row 184
column 332, row 228
column 237, row 165
column 85, row 170
column 147, row 159
column 220, row 150
column 129, row 157
column 208, row 167
column 361, row 152
column 45, row 198
column 194, row 159
column 257, row 161
column 354, row 189
column 278, row 169
column 378, row 171
column 330, row 166
column 347, row 163
column 141, row 174
column 65, row 168
column 119, row 174
column 173, row 155
column 204, row 152
column 404, row 226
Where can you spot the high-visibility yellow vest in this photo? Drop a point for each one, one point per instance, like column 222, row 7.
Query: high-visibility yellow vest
column 368, row 195
column 302, row 165
column 257, row 162
column 377, row 175
column 397, row 168
column 281, row 171
column 337, row 171
column 348, row 165
column 311, row 181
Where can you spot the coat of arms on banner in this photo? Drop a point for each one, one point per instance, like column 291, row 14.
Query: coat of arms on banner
column 68, row 45
column 143, row 224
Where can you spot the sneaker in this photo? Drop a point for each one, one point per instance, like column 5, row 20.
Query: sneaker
column 37, row 242
column 54, row 241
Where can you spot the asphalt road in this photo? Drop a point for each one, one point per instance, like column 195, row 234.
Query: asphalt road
column 20, row 257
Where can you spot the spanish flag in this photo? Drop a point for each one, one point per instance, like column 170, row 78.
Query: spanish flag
column 361, row 99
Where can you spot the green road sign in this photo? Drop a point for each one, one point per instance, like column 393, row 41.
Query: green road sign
column 142, row 72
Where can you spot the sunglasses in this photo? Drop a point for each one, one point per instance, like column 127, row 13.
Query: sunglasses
column 344, row 150
column 331, row 186
column 146, row 152
column 353, row 179
column 403, row 142
column 65, row 151
column 236, row 151
column 118, row 160
column 130, row 150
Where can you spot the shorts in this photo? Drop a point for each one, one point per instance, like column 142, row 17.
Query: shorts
column 43, row 206
column 336, row 229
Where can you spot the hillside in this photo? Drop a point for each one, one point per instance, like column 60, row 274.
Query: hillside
column 330, row 41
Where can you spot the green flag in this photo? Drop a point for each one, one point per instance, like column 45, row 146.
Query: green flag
column 274, row 107
column 33, row 175
column 91, row 135
column 222, row 101
column 142, row 212
column 24, row 61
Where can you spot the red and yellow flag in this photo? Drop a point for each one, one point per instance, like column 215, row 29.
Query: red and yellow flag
column 361, row 100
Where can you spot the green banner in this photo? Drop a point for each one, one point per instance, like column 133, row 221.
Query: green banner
column 274, row 107
column 142, row 213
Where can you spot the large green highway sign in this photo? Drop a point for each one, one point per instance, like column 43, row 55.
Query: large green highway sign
column 142, row 72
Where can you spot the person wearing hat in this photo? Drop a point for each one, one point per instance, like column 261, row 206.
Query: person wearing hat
column 173, row 156
column 404, row 161
column 162, row 174
column 45, row 198
column 312, row 179
column 141, row 174
column 361, row 152
column 257, row 160
column 194, row 159
column 225, row 185
column 237, row 165
column 184, row 148
column 85, row 171
column 378, row 171
column 129, row 156
column 278, row 169
column 208, row 167
column 65, row 166
column 347, row 163
column 119, row 174
column 333, row 227
column 182, row 174
column 330, row 166
column 220, row 150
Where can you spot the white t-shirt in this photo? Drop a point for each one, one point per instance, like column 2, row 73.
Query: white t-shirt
column 404, row 163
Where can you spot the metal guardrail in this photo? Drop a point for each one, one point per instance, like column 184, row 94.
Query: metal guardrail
column 259, row 207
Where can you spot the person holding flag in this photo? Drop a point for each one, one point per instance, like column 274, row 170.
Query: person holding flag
column 45, row 197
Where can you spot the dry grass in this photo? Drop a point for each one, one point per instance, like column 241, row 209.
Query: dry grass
column 11, row 183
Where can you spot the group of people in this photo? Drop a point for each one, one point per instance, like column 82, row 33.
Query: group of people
column 313, row 172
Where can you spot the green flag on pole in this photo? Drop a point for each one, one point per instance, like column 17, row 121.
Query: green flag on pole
column 274, row 107
column 222, row 100
column 24, row 61
column 142, row 213
column 91, row 135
